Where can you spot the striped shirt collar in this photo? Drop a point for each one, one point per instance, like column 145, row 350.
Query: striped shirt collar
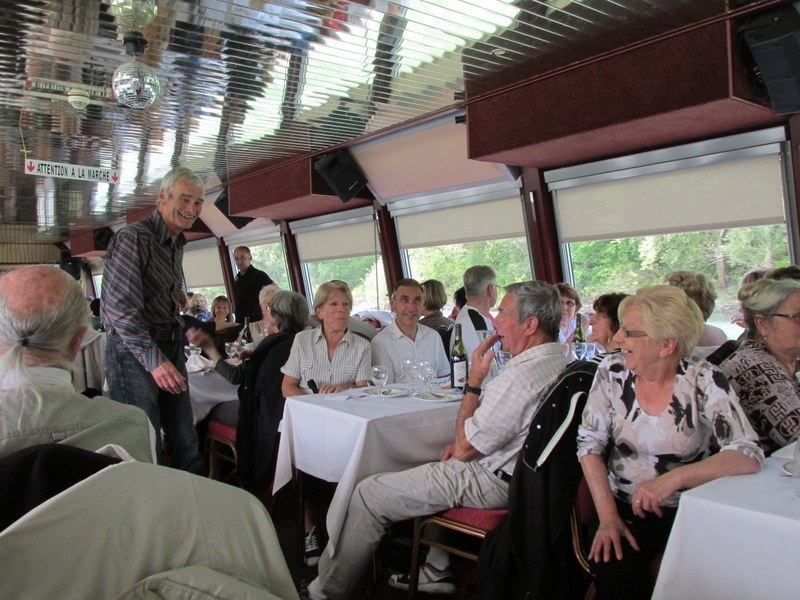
column 162, row 233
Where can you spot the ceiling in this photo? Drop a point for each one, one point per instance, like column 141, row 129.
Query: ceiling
column 250, row 84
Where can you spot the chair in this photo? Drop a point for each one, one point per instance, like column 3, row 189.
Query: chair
column 220, row 445
column 476, row 522
column 583, row 515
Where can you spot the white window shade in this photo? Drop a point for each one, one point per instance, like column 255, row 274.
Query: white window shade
column 469, row 223
column 344, row 241
column 202, row 267
column 731, row 193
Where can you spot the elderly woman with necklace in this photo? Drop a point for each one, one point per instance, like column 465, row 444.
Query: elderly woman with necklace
column 764, row 369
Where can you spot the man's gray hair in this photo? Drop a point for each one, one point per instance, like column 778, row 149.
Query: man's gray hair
column 541, row 300
column 477, row 279
column 44, row 338
column 168, row 183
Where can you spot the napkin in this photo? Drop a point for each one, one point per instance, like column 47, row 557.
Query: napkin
column 198, row 363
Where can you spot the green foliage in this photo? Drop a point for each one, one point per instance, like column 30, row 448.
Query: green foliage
column 508, row 257
column 271, row 259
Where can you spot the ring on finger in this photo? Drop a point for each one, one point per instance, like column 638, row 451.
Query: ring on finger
column 637, row 501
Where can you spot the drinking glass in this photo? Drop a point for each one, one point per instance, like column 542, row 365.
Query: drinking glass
column 591, row 350
column 230, row 349
column 426, row 370
column 410, row 369
column 578, row 350
column 379, row 376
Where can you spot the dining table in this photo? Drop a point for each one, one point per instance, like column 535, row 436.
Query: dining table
column 735, row 538
column 346, row 437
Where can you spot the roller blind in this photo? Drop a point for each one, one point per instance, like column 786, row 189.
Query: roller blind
column 731, row 193
column 473, row 222
column 201, row 267
column 343, row 241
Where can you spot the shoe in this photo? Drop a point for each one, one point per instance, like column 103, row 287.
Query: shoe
column 431, row 580
column 312, row 551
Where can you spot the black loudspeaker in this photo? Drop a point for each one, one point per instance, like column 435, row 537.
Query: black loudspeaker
column 102, row 238
column 774, row 42
column 342, row 174
column 72, row 266
column 222, row 204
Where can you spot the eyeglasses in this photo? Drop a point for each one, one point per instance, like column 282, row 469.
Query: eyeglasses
column 632, row 333
column 795, row 317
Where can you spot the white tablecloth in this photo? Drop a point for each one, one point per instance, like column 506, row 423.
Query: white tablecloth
column 206, row 391
column 347, row 440
column 735, row 537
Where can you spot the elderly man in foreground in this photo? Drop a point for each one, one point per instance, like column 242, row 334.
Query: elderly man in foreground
column 42, row 323
column 475, row 469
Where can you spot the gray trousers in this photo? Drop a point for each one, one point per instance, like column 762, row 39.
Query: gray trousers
column 383, row 499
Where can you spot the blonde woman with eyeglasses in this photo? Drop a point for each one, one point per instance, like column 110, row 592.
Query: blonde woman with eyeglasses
column 764, row 369
column 650, row 429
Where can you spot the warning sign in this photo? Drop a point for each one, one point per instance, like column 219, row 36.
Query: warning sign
column 64, row 171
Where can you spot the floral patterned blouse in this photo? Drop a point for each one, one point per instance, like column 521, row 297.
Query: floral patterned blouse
column 703, row 417
column 769, row 398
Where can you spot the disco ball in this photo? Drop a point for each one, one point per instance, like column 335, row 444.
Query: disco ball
column 135, row 85
column 132, row 14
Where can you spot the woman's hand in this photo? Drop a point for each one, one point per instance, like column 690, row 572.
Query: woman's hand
column 334, row 389
column 648, row 495
column 609, row 537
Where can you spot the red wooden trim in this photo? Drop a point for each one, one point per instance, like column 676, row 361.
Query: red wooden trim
column 390, row 247
column 293, row 259
column 540, row 221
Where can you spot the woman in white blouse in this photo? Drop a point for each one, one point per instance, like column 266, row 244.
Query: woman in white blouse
column 327, row 359
column 649, row 430
column 330, row 356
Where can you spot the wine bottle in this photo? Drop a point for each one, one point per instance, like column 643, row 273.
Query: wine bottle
column 247, row 337
column 579, row 335
column 458, row 361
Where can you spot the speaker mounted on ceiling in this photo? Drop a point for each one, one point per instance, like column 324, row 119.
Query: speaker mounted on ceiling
column 773, row 39
column 70, row 265
column 342, row 174
column 222, row 204
column 102, row 238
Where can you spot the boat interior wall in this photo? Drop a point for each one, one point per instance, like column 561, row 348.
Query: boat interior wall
column 673, row 90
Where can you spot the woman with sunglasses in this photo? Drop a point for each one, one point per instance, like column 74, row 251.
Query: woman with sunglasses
column 650, row 429
column 764, row 369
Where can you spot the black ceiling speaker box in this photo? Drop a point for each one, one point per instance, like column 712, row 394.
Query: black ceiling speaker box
column 774, row 42
column 72, row 266
column 222, row 204
column 342, row 174
column 102, row 238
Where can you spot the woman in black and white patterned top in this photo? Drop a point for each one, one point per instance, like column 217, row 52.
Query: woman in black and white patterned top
column 764, row 369
column 651, row 427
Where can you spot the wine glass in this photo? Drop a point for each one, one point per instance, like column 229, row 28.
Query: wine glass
column 578, row 350
column 410, row 369
column 230, row 349
column 591, row 350
column 502, row 357
column 426, row 370
column 379, row 376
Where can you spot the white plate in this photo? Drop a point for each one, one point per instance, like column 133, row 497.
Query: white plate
column 387, row 391
column 439, row 396
column 786, row 468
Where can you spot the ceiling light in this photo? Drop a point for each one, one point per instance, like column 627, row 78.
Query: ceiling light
column 132, row 14
column 135, row 84
column 78, row 98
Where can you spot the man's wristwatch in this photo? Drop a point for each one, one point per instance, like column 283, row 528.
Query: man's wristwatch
column 468, row 389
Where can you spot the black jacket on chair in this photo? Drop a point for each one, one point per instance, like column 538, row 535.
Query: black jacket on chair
column 261, row 410
column 529, row 555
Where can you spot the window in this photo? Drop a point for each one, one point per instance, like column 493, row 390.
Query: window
column 715, row 207
column 270, row 258
column 343, row 246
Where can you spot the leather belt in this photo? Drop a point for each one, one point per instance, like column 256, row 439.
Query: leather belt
column 165, row 335
column 503, row 475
